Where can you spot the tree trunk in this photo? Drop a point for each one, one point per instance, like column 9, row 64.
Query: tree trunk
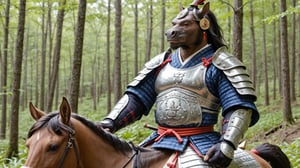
column 237, row 43
column 50, row 47
column 149, row 30
column 274, row 53
column 56, row 59
column 163, row 22
column 108, row 81
column 265, row 62
column 117, row 58
column 4, row 72
column 23, row 99
column 298, row 54
column 279, row 63
column 229, row 19
column 136, row 37
column 253, row 45
column 37, row 75
column 14, row 119
column 43, row 59
column 293, row 55
column 77, row 58
column 287, row 111
column 94, row 83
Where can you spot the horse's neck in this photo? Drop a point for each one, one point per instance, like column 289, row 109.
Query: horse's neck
column 94, row 151
column 152, row 158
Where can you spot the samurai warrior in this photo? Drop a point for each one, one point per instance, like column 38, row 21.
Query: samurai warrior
column 189, row 85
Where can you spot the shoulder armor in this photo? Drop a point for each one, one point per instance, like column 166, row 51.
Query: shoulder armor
column 149, row 66
column 235, row 71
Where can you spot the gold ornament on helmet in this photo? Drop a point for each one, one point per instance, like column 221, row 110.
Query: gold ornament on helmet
column 204, row 23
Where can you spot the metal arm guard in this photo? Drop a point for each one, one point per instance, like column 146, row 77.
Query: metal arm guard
column 237, row 126
column 126, row 111
column 235, row 71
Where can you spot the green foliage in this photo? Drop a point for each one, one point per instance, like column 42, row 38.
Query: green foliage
column 95, row 46
column 13, row 162
column 288, row 12
column 136, row 133
column 293, row 152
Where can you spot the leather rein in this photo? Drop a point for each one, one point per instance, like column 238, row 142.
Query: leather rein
column 136, row 151
column 70, row 144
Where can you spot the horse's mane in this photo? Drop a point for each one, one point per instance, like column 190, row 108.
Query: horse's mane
column 51, row 121
column 215, row 33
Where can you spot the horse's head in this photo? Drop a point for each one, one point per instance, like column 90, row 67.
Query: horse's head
column 50, row 140
column 193, row 28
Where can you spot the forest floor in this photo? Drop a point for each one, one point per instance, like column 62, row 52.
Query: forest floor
column 279, row 134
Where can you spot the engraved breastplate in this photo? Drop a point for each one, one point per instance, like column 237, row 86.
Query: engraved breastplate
column 183, row 96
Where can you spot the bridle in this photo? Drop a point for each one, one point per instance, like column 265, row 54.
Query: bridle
column 70, row 144
column 136, row 151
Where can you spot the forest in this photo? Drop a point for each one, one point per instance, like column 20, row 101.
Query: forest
column 89, row 50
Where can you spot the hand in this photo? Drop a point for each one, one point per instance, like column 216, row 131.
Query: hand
column 107, row 125
column 216, row 157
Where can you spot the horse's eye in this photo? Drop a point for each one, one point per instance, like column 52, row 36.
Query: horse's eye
column 52, row 147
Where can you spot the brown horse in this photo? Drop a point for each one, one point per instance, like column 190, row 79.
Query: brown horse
column 65, row 140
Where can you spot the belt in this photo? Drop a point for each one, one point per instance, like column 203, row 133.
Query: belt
column 179, row 132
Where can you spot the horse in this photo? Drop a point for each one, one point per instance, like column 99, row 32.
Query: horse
column 64, row 139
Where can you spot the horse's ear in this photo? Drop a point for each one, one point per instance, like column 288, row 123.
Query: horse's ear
column 203, row 11
column 35, row 112
column 65, row 111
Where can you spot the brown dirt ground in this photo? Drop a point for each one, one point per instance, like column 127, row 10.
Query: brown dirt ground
column 279, row 134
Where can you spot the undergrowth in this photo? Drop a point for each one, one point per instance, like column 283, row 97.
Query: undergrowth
column 136, row 133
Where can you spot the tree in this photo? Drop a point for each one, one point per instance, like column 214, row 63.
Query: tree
column 298, row 54
column 50, row 47
column 274, row 53
column 237, row 43
column 293, row 55
column 77, row 56
column 14, row 119
column 163, row 22
column 287, row 112
column 149, row 29
column 56, row 60
column 4, row 64
column 136, row 37
column 108, row 83
column 117, row 58
column 23, row 97
column 43, row 58
column 265, row 61
column 253, row 45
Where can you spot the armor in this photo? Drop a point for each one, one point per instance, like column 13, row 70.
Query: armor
column 238, row 124
column 122, row 103
column 183, row 96
column 190, row 159
column 126, row 111
column 235, row 71
column 149, row 66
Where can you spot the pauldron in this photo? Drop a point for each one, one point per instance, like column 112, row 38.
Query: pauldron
column 149, row 67
column 235, row 71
